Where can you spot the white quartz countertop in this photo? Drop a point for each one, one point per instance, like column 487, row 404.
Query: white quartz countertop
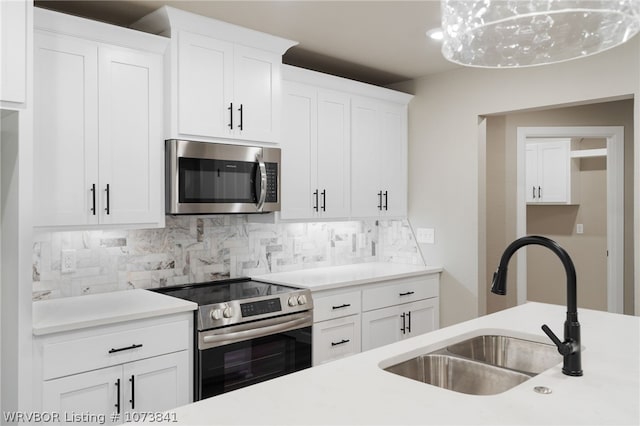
column 355, row 390
column 341, row 276
column 72, row 313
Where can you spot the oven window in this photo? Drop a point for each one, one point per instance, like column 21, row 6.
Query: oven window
column 229, row 367
column 216, row 181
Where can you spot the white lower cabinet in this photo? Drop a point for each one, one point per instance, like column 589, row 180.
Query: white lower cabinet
column 388, row 325
column 362, row 317
column 151, row 385
column 111, row 374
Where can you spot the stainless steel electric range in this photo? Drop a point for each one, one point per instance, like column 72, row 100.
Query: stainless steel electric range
column 246, row 332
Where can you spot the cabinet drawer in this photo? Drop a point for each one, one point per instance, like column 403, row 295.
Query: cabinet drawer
column 77, row 355
column 336, row 306
column 400, row 291
column 336, row 339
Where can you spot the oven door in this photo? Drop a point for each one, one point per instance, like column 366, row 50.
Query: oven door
column 242, row 355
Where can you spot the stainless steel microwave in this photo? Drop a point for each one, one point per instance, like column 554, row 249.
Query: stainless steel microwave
column 205, row 177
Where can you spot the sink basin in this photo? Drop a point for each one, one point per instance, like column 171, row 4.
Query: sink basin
column 458, row 374
column 509, row 352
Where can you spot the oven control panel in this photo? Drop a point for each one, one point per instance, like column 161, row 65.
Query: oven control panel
column 260, row 307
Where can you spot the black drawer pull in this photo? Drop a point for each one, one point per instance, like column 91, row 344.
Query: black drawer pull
column 111, row 351
column 346, row 305
column 341, row 342
column 407, row 293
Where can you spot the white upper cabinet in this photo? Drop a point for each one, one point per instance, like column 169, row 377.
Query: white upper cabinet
column 13, row 50
column 551, row 175
column 224, row 81
column 316, row 153
column 378, row 158
column 98, row 116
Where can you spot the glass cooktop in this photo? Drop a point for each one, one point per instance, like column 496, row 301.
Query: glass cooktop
column 224, row 291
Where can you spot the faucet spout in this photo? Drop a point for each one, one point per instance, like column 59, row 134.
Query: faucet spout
column 570, row 347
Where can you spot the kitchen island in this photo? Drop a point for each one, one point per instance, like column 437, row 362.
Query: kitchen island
column 356, row 390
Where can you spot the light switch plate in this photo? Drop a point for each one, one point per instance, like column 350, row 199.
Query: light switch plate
column 579, row 228
column 425, row 235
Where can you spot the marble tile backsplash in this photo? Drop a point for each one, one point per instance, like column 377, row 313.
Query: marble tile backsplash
column 197, row 249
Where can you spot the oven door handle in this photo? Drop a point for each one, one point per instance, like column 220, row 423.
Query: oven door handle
column 275, row 325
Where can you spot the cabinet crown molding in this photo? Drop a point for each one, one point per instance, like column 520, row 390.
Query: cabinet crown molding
column 166, row 20
column 61, row 23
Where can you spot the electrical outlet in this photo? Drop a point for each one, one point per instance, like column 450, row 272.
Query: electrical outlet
column 425, row 235
column 68, row 261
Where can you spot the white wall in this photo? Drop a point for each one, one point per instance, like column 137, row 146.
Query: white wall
column 444, row 158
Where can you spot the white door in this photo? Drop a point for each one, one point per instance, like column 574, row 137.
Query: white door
column 333, row 154
column 65, row 130
column 205, row 86
column 298, row 136
column 157, row 384
column 13, row 52
column 423, row 316
column 256, row 93
column 131, row 143
column 381, row 327
column 553, row 171
column 531, row 173
column 366, row 191
column 393, row 164
column 96, row 392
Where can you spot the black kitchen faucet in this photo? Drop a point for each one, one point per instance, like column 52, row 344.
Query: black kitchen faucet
column 570, row 348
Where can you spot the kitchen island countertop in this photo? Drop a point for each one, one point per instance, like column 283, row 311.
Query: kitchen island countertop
column 355, row 390
column 332, row 277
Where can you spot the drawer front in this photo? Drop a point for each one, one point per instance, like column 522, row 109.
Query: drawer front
column 336, row 339
column 73, row 356
column 336, row 306
column 400, row 291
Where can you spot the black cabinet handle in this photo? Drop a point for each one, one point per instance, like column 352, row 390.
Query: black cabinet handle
column 93, row 197
column 118, row 396
column 533, row 192
column 133, row 393
column 230, row 109
column 380, row 200
column 539, row 193
column 111, row 351
column 315, row 194
column 407, row 293
column 345, row 305
column 386, row 201
column 107, row 191
column 409, row 321
column 240, row 109
column 324, row 200
column 341, row 342
column 403, row 329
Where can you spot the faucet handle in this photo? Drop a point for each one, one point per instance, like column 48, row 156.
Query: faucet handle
column 563, row 348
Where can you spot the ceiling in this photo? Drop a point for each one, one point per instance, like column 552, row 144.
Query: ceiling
column 378, row 42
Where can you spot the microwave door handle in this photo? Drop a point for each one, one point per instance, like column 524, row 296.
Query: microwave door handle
column 263, row 182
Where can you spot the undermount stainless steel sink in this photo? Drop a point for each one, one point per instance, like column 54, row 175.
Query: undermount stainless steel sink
column 482, row 365
column 459, row 374
column 509, row 352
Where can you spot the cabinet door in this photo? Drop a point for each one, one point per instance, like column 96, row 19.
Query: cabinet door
column 336, row 339
column 531, row 173
column 366, row 163
column 131, row 144
column 393, row 164
column 205, row 86
column 553, row 172
column 256, row 94
column 423, row 316
column 94, row 392
column 381, row 327
column 65, row 130
column 298, row 136
column 157, row 384
column 333, row 155
column 13, row 50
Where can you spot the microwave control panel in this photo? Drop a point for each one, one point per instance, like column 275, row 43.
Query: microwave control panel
column 272, row 182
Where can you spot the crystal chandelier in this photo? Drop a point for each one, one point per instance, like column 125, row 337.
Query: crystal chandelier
column 521, row 33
